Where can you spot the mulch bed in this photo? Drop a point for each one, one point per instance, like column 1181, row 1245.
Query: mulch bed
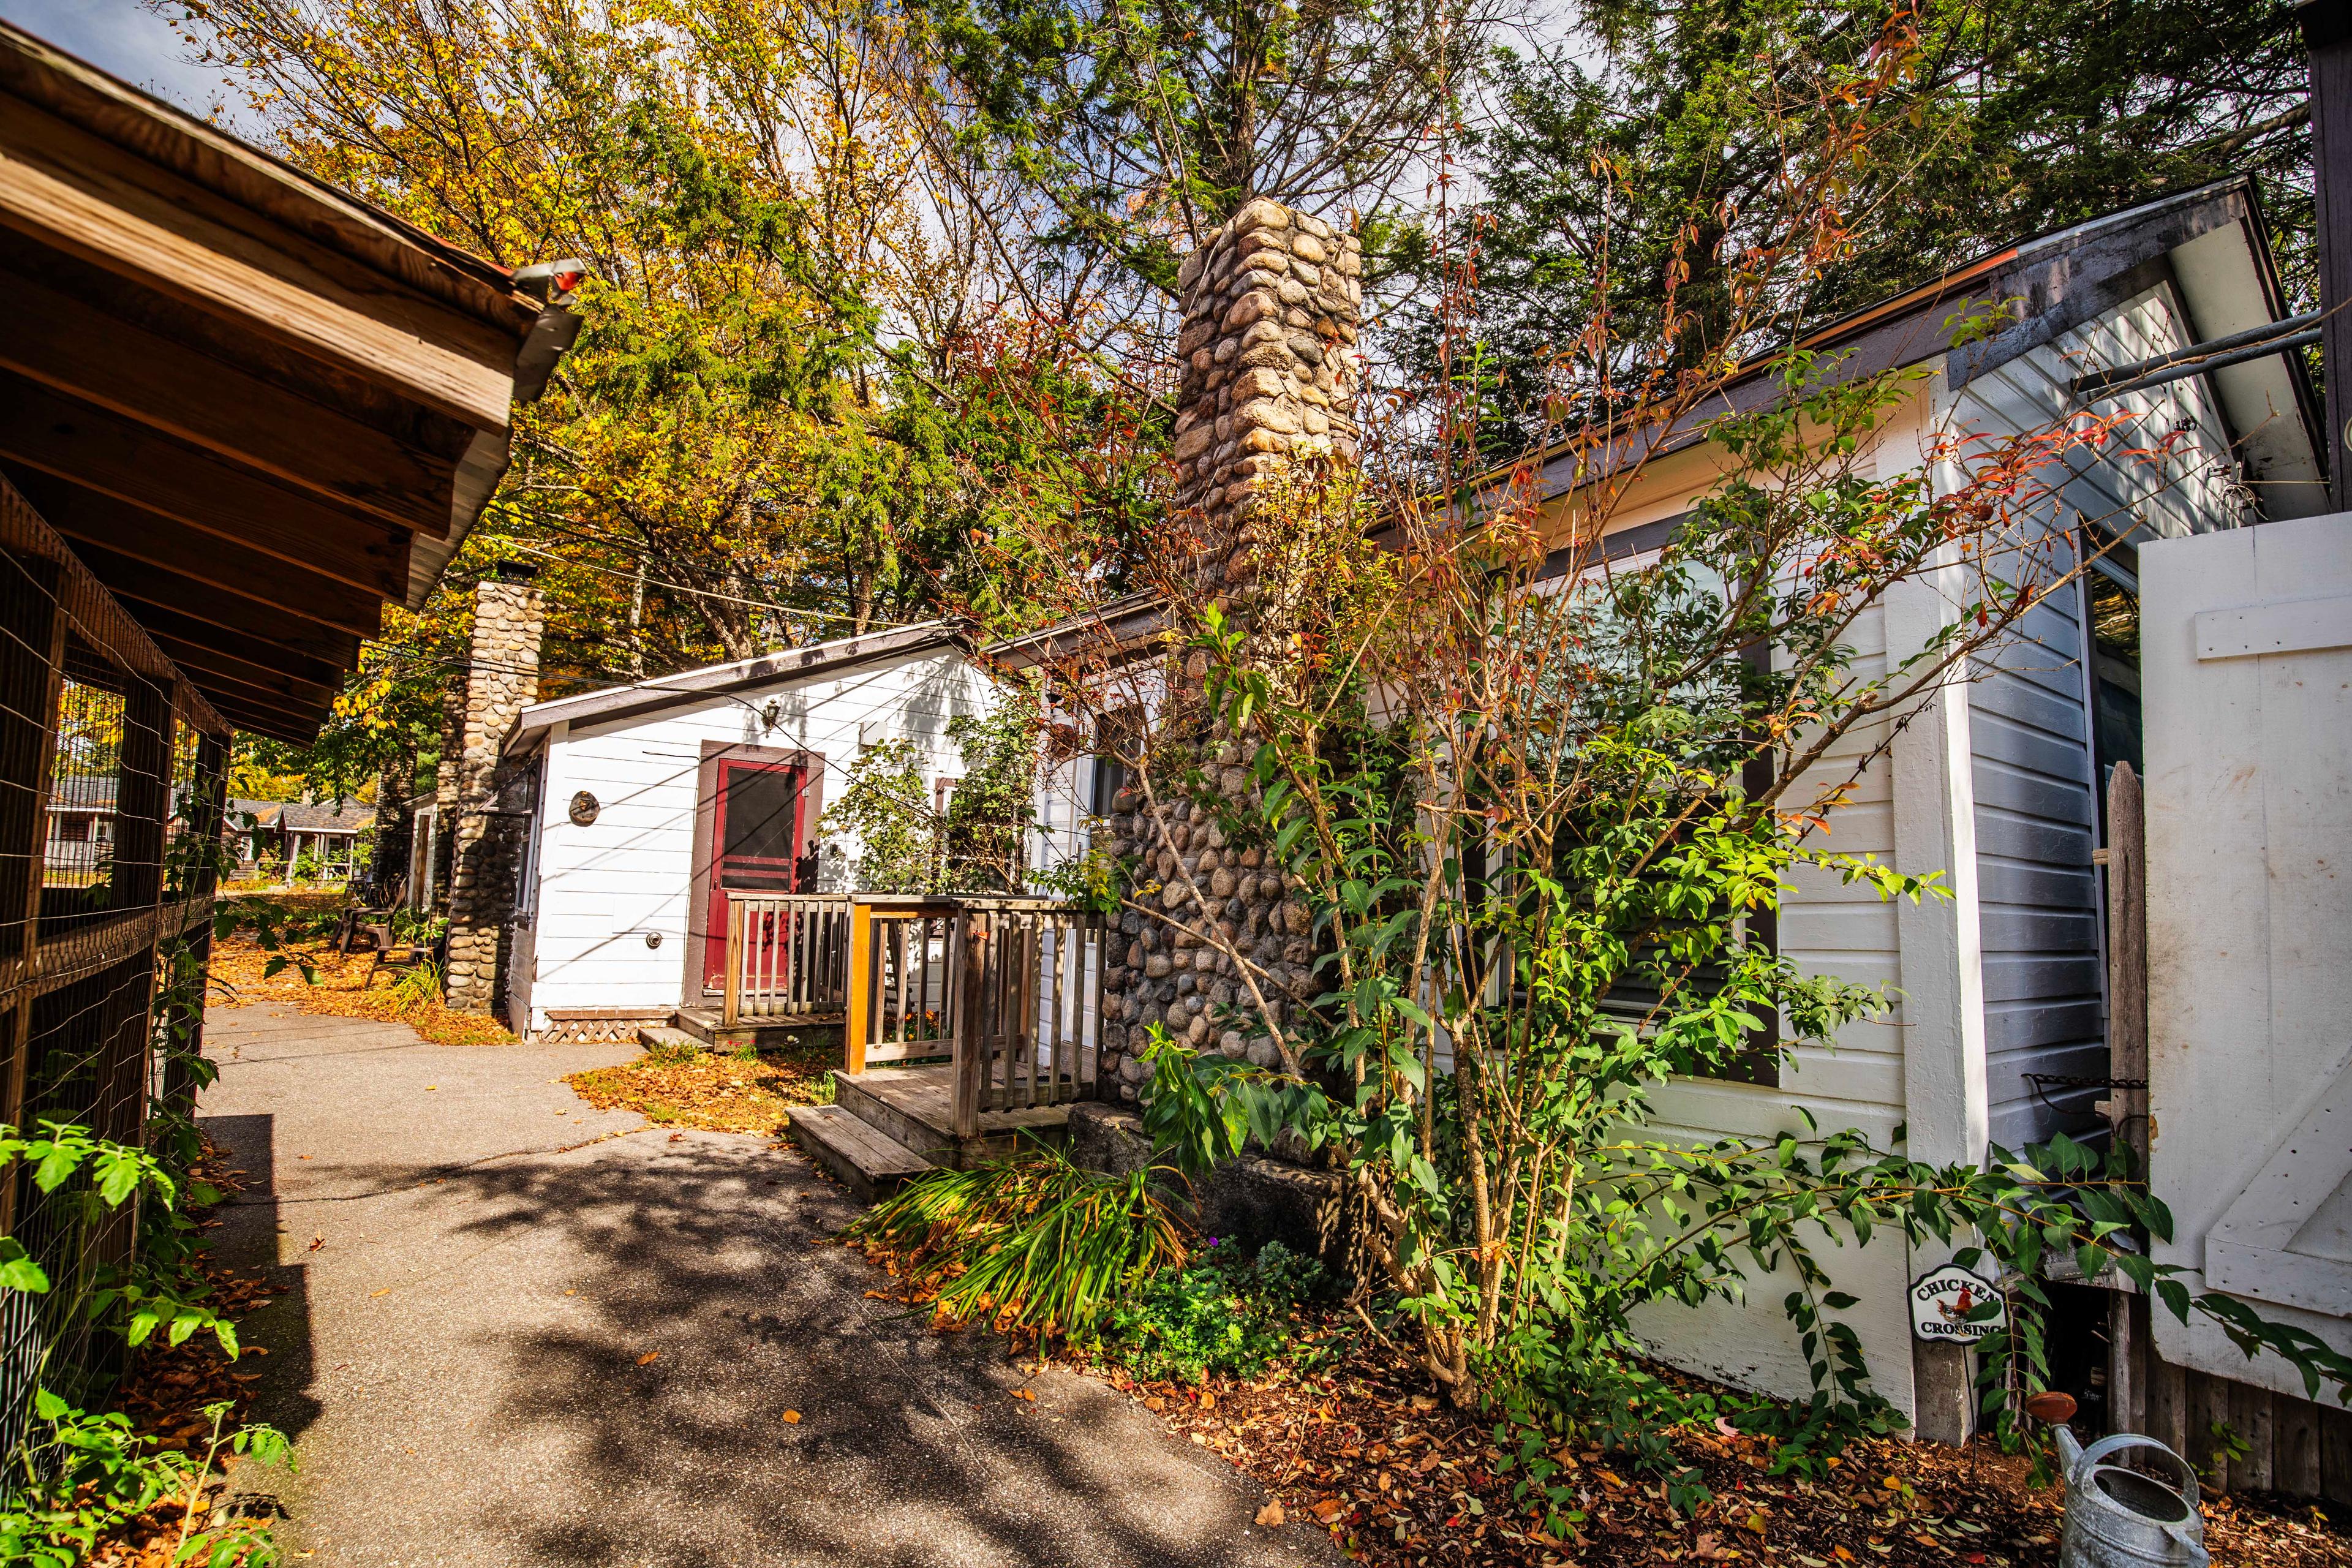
column 1349, row 1437
column 716, row 1090
column 1361, row 1448
column 342, row 991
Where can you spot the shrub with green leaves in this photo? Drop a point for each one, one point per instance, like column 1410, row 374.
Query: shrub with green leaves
column 1224, row 1317
column 77, row 1478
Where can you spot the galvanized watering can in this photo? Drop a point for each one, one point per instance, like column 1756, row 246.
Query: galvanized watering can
column 2118, row 1518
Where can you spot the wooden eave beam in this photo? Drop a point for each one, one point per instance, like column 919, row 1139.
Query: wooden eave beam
column 101, row 451
column 137, row 585
column 265, row 660
column 360, row 398
column 80, row 193
column 261, row 716
column 89, row 354
column 210, row 670
column 172, row 138
column 128, row 538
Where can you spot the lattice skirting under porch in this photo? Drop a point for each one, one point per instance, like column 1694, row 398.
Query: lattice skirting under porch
column 594, row 1026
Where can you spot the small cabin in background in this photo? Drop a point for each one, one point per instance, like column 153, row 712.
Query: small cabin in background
column 652, row 803
column 321, row 838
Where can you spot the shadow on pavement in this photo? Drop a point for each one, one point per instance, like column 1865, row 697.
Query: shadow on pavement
column 711, row 1257
column 248, row 1242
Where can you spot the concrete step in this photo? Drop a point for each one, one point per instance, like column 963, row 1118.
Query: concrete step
column 869, row 1163
column 651, row 1035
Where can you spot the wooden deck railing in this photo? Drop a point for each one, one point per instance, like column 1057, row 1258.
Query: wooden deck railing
column 787, row 955
column 1004, row 988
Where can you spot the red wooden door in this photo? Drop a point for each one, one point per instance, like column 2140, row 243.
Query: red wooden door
column 755, row 838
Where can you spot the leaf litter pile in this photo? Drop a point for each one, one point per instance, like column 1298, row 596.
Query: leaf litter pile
column 1363, row 1449
column 348, row 985
column 166, row 1389
column 718, row 1092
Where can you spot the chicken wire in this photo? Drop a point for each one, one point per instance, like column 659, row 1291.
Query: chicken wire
column 112, row 768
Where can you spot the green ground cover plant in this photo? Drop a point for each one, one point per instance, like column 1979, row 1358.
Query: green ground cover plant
column 1225, row 1315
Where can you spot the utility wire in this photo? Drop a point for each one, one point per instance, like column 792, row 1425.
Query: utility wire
column 768, row 605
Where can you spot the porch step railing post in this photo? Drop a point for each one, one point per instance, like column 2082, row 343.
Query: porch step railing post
column 731, row 1012
column 862, row 984
column 972, row 1022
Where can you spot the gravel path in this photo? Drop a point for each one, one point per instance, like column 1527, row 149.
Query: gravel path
column 512, row 1330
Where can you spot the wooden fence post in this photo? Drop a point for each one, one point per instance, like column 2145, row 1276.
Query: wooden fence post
column 733, row 938
column 2130, row 1367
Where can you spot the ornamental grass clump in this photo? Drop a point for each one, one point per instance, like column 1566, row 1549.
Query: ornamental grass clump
column 1031, row 1243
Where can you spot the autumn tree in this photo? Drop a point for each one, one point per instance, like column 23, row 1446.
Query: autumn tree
column 803, row 394
column 1633, row 160
column 1141, row 128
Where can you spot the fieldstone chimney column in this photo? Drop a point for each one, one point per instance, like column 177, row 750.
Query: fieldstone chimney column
column 485, row 843
column 1272, row 306
column 1271, row 314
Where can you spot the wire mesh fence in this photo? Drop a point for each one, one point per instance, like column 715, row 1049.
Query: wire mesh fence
column 112, row 773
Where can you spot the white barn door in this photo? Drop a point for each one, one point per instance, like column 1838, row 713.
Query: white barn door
column 2246, row 648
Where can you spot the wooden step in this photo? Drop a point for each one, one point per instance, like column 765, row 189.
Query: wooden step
column 651, row 1035
column 870, row 1163
column 703, row 1024
column 935, row 1143
column 915, row 1108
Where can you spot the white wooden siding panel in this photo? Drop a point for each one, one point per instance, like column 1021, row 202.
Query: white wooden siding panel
column 2033, row 772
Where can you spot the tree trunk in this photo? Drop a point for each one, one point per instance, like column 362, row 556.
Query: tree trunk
column 395, row 830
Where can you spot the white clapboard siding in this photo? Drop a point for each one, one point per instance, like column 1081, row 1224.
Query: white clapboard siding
column 604, row 887
column 2165, row 471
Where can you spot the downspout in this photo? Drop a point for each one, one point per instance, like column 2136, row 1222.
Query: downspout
column 2327, row 34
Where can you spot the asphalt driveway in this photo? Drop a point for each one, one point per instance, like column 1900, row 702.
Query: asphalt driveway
column 511, row 1331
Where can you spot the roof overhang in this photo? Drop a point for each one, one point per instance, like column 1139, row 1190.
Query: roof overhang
column 620, row 703
column 256, row 408
column 2208, row 244
column 1119, row 633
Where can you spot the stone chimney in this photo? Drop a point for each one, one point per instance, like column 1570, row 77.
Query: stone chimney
column 484, row 836
column 1271, row 313
column 1272, row 304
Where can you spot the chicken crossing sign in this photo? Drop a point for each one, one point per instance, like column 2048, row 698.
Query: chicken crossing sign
column 1943, row 1299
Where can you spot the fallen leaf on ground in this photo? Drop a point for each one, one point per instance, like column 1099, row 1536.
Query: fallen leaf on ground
column 1271, row 1515
column 386, row 1291
column 792, row 1418
column 1329, row 1509
column 647, row 1359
